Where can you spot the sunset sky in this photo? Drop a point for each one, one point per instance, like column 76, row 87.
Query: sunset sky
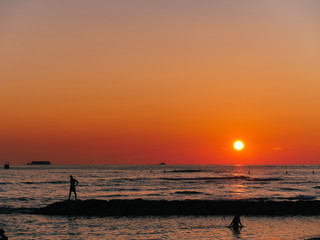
column 144, row 82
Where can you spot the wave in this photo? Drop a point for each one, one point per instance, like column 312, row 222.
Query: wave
column 291, row 189
column 265, row 179
column 189, row 192
column 241, row 177
column 298, row 198
column 128, row 179
column 22, row 199
column 119, row 189
column 57, row 182
column 9, row 210
column 51, row 182
column 195, row 171
column 187, row 171
column 116, row 195
column 153, row 194
column 17, row 199
column 301, row 182
column 206, row 178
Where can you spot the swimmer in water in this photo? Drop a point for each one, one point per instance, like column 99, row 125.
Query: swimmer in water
column 236, row 223
column 3, row 237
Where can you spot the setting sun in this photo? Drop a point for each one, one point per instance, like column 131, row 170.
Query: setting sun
column 238, row 145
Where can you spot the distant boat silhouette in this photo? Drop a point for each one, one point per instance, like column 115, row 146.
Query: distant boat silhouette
column 40, row 163
column 162, row 163
column 6, row 165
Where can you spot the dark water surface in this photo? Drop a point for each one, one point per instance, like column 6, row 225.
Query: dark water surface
column 23, row 226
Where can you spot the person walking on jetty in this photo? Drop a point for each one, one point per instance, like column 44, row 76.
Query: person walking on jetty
column 3, row 237
column 73, row 184
column 236, row 223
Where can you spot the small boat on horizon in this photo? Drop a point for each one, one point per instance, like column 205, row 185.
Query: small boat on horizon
column 40, row 163
column 162, row 163
column 6, row 165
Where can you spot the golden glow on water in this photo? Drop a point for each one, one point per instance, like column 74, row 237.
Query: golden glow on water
column 239, row 189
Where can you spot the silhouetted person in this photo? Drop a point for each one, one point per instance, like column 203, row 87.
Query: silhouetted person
column 73, row 184
column 236, row 223
column 3, row 237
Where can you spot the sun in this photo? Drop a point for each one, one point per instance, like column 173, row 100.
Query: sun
column 238, row 145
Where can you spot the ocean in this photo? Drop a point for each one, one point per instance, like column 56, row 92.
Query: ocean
column 24, row 188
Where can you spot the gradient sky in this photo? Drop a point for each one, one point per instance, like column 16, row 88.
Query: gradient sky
column 144, row 82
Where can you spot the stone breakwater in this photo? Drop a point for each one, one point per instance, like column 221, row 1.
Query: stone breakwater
column 139, row 207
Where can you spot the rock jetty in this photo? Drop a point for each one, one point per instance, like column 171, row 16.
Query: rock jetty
column 139, row 207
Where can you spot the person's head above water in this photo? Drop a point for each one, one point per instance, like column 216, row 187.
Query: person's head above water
column 1, row 231
column 71, row 176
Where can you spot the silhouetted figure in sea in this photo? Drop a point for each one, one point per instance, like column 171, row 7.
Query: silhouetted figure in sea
column 3, row 237
column 236, row 223
column 73, row 184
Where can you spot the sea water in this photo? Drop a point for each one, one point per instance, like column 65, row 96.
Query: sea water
column 23, row 188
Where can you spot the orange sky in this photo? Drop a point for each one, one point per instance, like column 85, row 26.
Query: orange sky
column 144, row 82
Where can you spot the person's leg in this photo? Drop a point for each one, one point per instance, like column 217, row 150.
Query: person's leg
column 75, row 194
column 69, row 194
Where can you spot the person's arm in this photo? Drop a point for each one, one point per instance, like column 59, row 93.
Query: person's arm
column 231, row 223
column 76, row 183
column 240, row 223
